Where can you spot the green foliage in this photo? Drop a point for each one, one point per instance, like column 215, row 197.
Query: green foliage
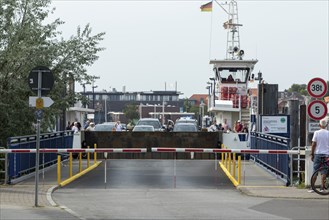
column 301, row 89
column 27, row 41
column 131, row 112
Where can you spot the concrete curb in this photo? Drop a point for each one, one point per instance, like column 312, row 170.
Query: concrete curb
column 279, row 192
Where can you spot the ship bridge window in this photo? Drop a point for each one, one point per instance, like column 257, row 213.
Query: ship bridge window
column 233, row 75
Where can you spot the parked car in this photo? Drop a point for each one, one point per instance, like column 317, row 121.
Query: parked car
column 106, row 126
column 151, row 121
column 149, row 128
column 187, row 120
column 185, row 127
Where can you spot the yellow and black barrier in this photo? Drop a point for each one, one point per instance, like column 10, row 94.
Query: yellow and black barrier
column 80, row 171
column 231, row 167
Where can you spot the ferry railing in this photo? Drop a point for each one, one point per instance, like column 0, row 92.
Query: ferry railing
column 274, row 163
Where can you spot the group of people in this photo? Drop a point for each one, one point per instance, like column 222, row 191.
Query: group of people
column 238, row 127
column 76, row 126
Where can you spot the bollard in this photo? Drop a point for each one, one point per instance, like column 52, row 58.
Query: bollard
column 70, row 164
column 95, row 154
column 88, row 159
column 58, row 169
column 80, row 162
column 233, row 171
column 229, row 163
column 239, row 169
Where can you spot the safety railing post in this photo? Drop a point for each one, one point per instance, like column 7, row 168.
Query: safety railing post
column 80, row 162
column 88, row 158
column 239, row 169
column 70, row 164
column 58, row 169
column 233, row 173
column 95, row 154
column 229, row 162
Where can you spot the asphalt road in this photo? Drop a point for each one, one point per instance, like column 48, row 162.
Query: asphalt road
column 173, row 189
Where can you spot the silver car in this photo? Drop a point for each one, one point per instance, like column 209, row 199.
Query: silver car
column 147, row 128
column 185, row 127
column 151, row 121
column 106, row 126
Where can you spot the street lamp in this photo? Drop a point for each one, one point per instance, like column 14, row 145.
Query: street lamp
column 213, row 79
column 209, row 89
column 93, row 88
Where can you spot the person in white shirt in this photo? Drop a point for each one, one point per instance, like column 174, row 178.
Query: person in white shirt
column 320, row 147
column 75, row 127
column 118, row 126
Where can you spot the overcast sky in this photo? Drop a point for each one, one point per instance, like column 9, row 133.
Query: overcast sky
column 150, row 44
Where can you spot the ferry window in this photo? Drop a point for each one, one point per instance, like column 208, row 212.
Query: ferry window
column 233, row 75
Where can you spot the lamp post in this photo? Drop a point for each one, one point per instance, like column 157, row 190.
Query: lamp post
column 163, row 109
column 210, row 100
column 213, row 93
column 93, row 88
column 208, row 87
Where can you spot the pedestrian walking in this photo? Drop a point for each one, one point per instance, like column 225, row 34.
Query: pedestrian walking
column 320, row 148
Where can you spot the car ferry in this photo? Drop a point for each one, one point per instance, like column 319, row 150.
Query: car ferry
column 230, row 98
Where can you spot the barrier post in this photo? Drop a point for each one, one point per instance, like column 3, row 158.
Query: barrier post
column 229, row 162
column 239, row 169
column 225, row 160
column 80, row 162
column 233, row 171
column 88, row 159
column 70, row 164
column 58, row 169
column 95, row 154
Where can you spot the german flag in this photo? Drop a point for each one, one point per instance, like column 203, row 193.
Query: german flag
column 206, row 7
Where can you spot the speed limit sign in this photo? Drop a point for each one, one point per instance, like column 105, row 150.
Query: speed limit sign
column 317, row 87
column 317, row 110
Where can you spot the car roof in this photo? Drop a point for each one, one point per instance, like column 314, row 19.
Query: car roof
column 149, row 119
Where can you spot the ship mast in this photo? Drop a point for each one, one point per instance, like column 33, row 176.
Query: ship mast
column 233, row 51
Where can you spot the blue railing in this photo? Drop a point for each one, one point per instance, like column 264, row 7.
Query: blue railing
column 20, row 164
column 277, row 163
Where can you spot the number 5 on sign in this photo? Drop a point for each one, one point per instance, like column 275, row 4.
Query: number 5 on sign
column 317, row 110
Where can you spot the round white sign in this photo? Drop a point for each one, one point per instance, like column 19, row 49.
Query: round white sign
column 317, row 110
column 317, row 87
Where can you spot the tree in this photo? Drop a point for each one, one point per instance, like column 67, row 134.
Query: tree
column 25, row 42
column 131, row 112
column 299, row 88
column 302, row 89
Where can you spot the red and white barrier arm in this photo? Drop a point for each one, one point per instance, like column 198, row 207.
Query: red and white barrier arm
column 216, row 150
column 85, row 150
